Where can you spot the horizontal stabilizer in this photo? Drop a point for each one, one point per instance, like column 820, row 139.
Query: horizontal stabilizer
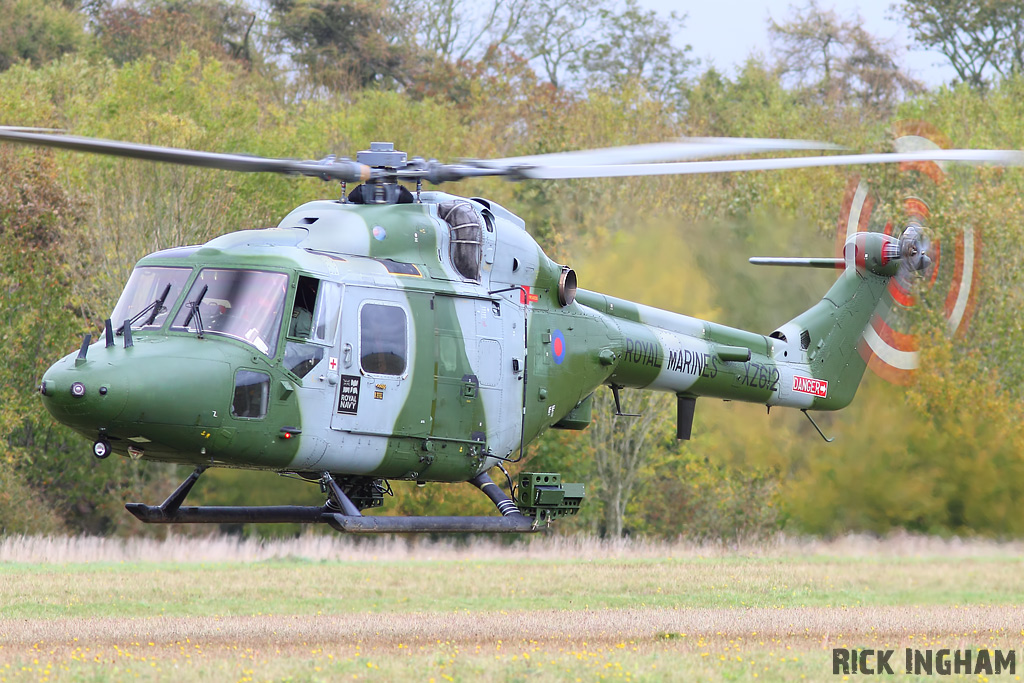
column 798, row 261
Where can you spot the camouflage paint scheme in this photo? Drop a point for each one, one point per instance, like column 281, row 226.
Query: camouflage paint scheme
column 491, row 364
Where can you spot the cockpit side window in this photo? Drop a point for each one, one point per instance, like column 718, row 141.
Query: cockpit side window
column 465, row 230
column 252, row 390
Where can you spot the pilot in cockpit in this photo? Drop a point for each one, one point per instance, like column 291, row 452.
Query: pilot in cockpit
column 302, row 312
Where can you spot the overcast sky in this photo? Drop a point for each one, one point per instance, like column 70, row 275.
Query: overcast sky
column 725, row 32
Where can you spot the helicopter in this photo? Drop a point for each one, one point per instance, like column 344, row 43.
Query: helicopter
column 404, row 334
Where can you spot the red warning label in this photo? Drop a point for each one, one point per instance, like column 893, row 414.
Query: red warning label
column 809, row 385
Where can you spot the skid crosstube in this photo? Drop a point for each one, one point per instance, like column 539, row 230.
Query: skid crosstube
column 349, row 520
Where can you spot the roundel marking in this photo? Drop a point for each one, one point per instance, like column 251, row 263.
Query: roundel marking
column 558, row 346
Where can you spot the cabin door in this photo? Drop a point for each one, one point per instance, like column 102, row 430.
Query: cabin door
column 376, row 360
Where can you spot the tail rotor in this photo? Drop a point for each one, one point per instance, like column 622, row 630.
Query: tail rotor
column 927, row 266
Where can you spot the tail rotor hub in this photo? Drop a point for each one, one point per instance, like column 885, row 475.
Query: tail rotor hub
column 915, row 250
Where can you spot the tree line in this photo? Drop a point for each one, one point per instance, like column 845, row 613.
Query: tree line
column 451, row 79
column 432, row 47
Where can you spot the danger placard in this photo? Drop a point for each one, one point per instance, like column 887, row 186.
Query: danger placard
column 809, row 385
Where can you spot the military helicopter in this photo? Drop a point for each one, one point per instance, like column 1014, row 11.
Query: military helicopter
column 403, row 334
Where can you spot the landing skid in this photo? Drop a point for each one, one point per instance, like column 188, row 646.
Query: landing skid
column 348, row 520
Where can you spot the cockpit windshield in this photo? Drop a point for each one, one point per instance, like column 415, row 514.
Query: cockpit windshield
column 244, row 304
column 149, row 295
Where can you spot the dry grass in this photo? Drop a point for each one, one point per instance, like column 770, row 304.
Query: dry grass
column 592, row 626
column 628, row 645
column 398, row 587
column 327, row 608
column 323, row 547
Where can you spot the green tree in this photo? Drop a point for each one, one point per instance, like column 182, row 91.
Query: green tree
column 980, row 38
column 694, row 497
column 344, row 45
column 34, row 210
column 557, row 34
column 636, row 44
column 455, row 31
column 572, row 43
column 38, row 31
column 839, row 59
column 50, row 479
column 133, row 29
column 621, row 448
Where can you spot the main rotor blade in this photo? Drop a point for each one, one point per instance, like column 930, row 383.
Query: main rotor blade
column 33, row 129
column 999, row 157
column 327, row 169
column 679, row 150
column 563, row 165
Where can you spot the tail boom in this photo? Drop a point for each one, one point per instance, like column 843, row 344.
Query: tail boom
column 811, row 363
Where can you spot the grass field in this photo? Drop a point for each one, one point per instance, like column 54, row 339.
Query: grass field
column 326, row 608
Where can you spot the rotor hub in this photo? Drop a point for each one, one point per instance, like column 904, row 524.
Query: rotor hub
column 382, row 155
column 915, row 249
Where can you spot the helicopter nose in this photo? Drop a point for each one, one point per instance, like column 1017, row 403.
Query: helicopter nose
column 121, row 391
column 84, row 396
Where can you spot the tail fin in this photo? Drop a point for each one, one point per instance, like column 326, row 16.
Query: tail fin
column 830, row 332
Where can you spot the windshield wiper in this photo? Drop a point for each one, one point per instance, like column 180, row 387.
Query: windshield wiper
column 194, row 313
column 154, row 309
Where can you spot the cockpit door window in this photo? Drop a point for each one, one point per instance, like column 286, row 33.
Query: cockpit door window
column 328, row 310
column 301, row 324
column 315, row 310
column 313, row 325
